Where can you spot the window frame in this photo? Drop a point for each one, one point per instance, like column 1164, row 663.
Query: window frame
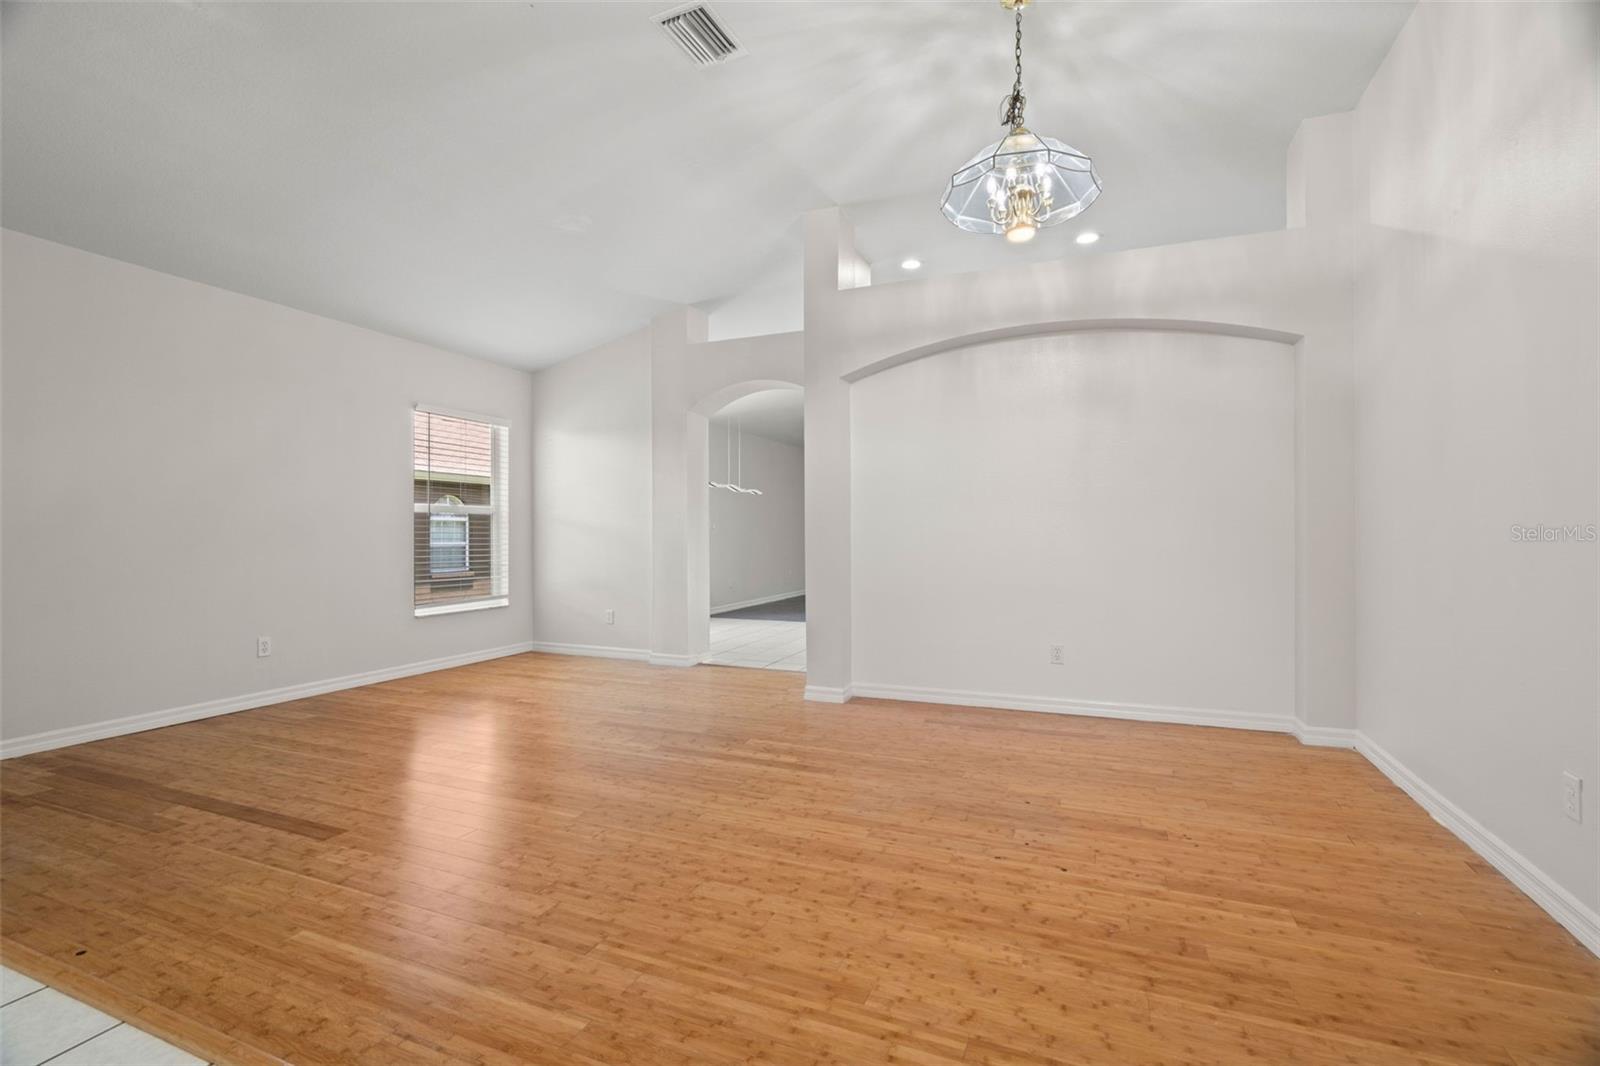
column 498, row 510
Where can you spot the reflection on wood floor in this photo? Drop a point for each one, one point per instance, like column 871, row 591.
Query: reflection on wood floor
column 559, row 860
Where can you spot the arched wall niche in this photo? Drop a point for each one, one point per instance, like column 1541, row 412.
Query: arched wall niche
column 1121, row 489
column 1290, row 286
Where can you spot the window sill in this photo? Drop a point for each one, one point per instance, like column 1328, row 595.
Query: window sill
column 457, row 608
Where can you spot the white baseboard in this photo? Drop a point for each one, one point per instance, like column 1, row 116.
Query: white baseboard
column 138, row 723
column 661, row 658
column 1577, row 918
column 759, row 601
column 1137, row 712
column 596, row 651
column 824, row 694
column 601, row 651
column 1321, row 736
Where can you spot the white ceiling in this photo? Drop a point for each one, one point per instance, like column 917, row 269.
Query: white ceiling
column 777, row 414
column 523, row 181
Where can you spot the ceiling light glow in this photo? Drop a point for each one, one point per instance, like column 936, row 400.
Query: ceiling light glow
column 1088, row 236
column 911, row 263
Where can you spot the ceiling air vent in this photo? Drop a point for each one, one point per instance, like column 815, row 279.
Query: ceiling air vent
column 704, row 39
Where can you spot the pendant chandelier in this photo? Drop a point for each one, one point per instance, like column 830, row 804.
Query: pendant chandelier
column 1022, row 182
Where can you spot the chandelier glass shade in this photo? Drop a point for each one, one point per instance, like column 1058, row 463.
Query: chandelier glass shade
column 1019, row 185
column 1023, row 182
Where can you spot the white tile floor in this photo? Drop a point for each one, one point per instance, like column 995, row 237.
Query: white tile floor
column 757, row 643
column 41, row 1025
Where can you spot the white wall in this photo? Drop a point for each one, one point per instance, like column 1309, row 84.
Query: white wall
column 1127, row 495
column 758, row 548
column 591, row 491
column 187, row 468
column 1477, row 339
column 621, row 516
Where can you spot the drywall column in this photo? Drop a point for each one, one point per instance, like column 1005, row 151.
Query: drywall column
column 676, row 470
column 1321, row 196
column 697, row 535
column 831, row 264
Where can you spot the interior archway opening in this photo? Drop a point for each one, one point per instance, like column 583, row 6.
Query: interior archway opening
column 755, row 531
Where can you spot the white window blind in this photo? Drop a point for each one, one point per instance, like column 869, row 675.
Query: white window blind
column 461, row 512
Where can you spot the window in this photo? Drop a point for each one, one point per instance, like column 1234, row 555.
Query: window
column 460, row 512
column 448, row 551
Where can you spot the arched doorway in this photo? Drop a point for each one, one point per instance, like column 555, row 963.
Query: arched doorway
column 754, row 531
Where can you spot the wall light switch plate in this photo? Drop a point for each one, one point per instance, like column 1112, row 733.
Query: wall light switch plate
column 1058, row 655
column 263, row 647
column 1572, row 796
column 611, row 617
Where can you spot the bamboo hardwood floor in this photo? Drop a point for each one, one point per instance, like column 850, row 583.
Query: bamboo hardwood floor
column 580, row 861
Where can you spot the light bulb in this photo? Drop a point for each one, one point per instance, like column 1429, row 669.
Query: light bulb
column 1011, row 173
column 1021, row 232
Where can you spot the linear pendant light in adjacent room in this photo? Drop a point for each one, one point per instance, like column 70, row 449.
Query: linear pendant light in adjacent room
column 727, row 453
column 736, row 487
column 1023, row 182
column 732, row 484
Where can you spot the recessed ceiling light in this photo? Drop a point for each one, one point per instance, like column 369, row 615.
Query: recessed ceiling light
column 1088, row 236
column 911, row 264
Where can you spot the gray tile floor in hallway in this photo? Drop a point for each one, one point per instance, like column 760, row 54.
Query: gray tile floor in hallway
column 41, row 1025
column 757, row 642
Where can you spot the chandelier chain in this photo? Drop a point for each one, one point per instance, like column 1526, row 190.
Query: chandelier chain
column 1013, row 115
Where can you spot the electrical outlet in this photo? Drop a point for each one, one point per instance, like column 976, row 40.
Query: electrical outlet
column 1058, row 655
column 611, row 617
column 263, row 647
column 1572, row 796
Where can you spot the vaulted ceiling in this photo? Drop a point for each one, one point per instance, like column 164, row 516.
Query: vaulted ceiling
column 522, row 181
